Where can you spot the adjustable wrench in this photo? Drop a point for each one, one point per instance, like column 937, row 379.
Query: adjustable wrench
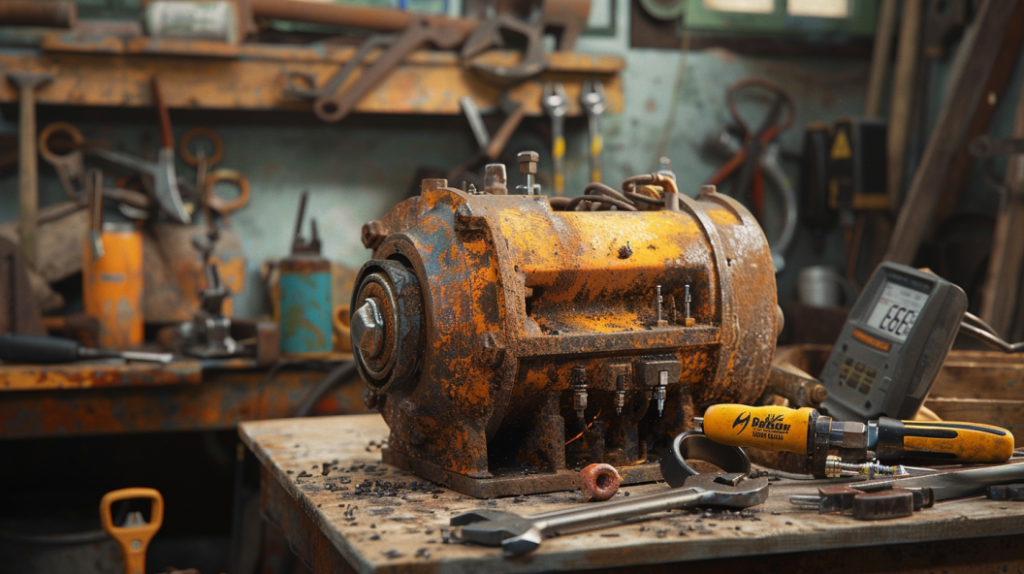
column 556, row 105
column 331, row 107
column 70, row 166
column 521, row 534
column 594, row 103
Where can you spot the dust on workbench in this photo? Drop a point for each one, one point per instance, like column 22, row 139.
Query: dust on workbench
column 387, row 516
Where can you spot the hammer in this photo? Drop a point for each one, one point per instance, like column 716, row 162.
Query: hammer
column 28, row 169
column 162, row 172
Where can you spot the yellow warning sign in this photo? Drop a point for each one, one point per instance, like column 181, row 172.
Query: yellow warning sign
column 841, row 146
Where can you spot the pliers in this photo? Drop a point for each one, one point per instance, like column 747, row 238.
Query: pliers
column 746, row 164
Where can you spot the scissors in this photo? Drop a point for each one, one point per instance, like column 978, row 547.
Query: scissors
column 746, row 164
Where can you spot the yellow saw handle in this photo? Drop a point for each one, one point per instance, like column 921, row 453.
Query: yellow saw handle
column 953, row 442
column 133, row 539
column 768, row 428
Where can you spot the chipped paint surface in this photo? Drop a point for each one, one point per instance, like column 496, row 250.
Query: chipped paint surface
column 111, row 399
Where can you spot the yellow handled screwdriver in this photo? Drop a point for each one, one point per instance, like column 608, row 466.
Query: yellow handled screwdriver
column 805, row 431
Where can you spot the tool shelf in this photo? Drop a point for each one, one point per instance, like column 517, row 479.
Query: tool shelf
column 115, row 72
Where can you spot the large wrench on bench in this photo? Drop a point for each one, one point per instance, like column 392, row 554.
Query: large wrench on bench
column 521, row 534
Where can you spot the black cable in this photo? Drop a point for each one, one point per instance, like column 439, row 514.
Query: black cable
column 335, row 377
column 598, row 188
column 990, row 339
column 558, row 203
column 638, row 198
column 980, row 323
column 599, row 199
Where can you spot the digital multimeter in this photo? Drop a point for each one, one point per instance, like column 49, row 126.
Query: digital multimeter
column 893, row 344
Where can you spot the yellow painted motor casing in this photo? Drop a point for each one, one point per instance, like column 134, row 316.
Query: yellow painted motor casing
column 499, row 313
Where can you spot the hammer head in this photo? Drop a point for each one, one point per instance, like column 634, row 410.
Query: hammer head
column 165, row 187
column 28, row 80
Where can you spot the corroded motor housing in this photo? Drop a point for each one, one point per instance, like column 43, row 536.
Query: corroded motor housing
column 506, row 342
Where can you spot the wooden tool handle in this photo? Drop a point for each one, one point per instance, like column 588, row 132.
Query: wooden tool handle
column 133, row 540
column 166, row 135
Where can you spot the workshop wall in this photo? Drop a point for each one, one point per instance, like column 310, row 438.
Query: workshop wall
column 359, row 168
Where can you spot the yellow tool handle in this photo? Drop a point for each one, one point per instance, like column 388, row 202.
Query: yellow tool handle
column 133, row 540
column 768, row 428
column 955, row 442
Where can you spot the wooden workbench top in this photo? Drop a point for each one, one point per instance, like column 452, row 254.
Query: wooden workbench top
column 381, row 519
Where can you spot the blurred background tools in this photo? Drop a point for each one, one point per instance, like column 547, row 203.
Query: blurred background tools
column 555, row 106
column 304, row 294
column 28, row 171
column 201, row 159
column 745, row 166
column 337, row 98
column 46, row 350
column 160, row 177
column 490, row 147
column 112, row 281
column 594, row 103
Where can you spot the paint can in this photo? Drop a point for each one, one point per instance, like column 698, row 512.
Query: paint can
column 822, row 286
column 191, row 20
column 306, row 321
column 112, row 286
column 305, row 302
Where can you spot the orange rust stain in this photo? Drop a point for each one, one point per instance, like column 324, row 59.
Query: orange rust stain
column 35, row 377
column 723, row 217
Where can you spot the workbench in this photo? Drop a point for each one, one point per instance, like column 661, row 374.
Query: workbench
column 324, row 486
column 112, row 397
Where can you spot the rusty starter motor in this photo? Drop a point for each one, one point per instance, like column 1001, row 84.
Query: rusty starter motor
column 510, row 338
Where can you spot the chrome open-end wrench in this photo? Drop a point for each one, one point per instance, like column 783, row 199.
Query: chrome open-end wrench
column 594, row 104
column 521, row 534
column 556, row 105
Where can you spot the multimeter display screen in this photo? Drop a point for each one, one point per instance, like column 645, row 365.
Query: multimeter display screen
column 896, row 310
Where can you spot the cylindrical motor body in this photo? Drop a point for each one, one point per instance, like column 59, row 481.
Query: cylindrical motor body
column 495, row 332
column 112, row 286
column 304, row 304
